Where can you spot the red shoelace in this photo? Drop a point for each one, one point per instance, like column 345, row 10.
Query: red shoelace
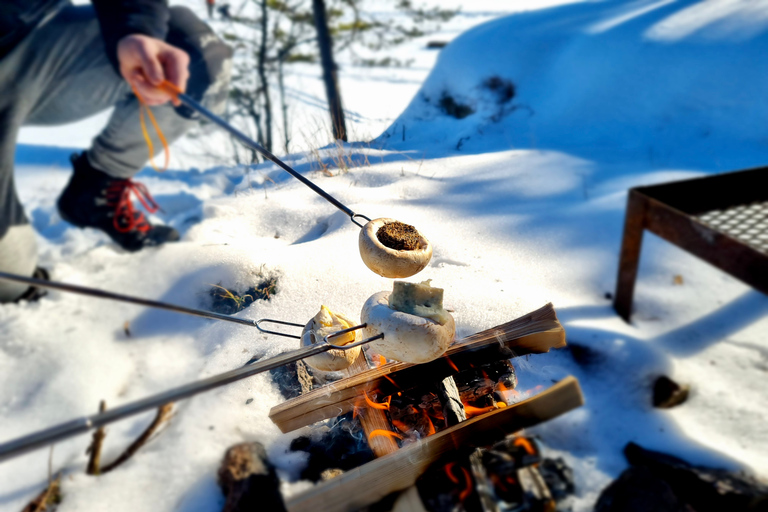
column 126, row 218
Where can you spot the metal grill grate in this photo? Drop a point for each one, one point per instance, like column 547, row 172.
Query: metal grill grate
column 747, row 223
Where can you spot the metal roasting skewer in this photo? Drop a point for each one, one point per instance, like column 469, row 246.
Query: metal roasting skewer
column 94, row 292
column 30, row 442
column 82, row 425
column 194, row 105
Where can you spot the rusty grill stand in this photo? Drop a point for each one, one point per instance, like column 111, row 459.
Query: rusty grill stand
column 721, row 219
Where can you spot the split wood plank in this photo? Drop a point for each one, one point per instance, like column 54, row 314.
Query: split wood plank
column 373, row 419
column 535, row 333
column 373, row 481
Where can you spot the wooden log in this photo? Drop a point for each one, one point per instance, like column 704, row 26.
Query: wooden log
column 373, row 481
column 248, row 480
column 534, row 333
column 485, row 494
column 373, row 419
column 450, row 402
column 534, row 487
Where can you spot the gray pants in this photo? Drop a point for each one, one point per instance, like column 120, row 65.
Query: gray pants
column 60, row 73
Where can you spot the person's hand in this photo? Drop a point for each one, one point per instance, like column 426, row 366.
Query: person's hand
column 145, row 62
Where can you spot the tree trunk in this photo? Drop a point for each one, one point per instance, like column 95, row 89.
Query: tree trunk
column 329, row 71
column 262, row 68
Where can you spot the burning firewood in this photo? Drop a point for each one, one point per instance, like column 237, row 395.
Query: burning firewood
column 536, row 332
column 400, row 470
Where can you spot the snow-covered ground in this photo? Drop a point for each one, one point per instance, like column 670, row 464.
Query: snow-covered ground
column 524, row 203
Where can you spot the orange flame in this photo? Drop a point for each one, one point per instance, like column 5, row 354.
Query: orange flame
column 385, row 433
column 467, row 480
column 401, row 426
column 453, row 365
column 468, row 487
column 381, row 360
column 392, row 381
column 449, row 472
column 476, row 411
column 430, row 426
column 373, row 405
column 525, row 444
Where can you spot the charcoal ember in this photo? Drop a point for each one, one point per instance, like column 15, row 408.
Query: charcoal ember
column 418, row 412
column 416, row 417
column 639, row 490
column 330, row 473
column 448, row 486
column 340, row 444
column 248, row 480
column 537, row 497
column 521, row 450
column 521, row 478
column 502, row 464
column 497, row 376
column 668, row 393
column 559, row 478
column 485, row 401
column 704, row 489
column 293, row 379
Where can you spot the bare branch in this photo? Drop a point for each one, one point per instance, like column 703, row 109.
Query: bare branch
column 163, row 413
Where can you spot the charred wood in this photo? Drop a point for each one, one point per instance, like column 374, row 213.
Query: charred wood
column 668, row 393
column 293, row 379
column 450, row 402
column 483, row 485
column 535, row 491
column 704, row 489
column 639, row 490
column 339, row 445
column 248, row 480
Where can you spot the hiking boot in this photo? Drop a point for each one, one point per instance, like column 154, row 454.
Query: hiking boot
column 93, row 199
column 34, row 293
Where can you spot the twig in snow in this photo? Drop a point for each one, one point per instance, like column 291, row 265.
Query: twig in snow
column 51, row 495
column 163, row 413
column 94, row 450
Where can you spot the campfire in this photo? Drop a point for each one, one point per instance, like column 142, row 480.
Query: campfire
column 398, row 431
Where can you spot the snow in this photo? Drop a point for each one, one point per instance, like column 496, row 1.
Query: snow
column 527, row 209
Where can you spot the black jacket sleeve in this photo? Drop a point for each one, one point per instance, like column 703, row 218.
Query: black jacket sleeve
column 119, row 18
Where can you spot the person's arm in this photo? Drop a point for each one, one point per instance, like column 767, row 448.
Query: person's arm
column 134, row 33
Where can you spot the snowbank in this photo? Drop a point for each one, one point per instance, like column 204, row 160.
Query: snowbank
column 667, row 82
column 528, row 209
